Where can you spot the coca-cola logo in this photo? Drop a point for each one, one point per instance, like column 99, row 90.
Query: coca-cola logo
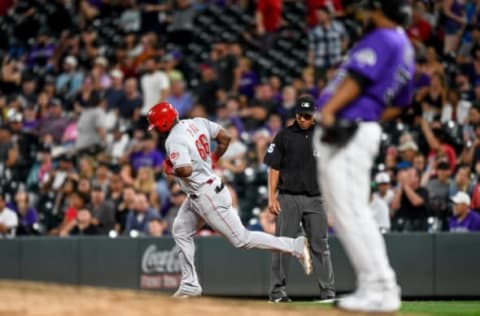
column 155, row 261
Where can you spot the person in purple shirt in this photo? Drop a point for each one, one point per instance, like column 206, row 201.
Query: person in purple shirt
column 27, row 215
column 463, row 219
column 374, row 83
column 147, row 156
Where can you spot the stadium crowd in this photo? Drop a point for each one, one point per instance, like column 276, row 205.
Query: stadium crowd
column 78, row 77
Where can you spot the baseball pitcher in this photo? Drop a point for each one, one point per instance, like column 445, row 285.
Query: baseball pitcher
column 373, row 83
column 190, row 161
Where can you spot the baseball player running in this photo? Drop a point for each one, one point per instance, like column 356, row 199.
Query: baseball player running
column 373, row 83
column 190, row 161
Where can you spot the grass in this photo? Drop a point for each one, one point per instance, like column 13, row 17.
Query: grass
column 431, row 308
column 443, row 308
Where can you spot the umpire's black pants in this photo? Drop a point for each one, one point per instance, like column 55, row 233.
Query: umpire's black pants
column 309, row 211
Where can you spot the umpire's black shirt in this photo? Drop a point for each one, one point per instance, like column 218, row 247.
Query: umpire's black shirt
column 291, row 152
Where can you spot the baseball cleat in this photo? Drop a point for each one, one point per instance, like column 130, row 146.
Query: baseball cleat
column 282, row 299
column 371, row 301
column 305, row 258
column 180, row 293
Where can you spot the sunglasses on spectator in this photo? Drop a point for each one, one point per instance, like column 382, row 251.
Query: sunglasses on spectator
column 305, row 116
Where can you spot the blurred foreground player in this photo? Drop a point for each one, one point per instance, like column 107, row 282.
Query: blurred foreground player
column 189, row 159
column 373, row 84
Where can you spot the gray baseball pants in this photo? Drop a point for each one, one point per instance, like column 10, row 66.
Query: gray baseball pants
column 216, row 210
column 309, row 211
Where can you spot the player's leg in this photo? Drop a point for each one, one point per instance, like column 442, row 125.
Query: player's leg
column 184, row 227
column 314, row 221
column 216, row 209
column 287, row 225
column 345, row 181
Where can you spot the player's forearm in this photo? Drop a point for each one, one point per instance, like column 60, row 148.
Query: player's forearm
column 390, row 113
column 348, row 91
column 223, row 140
column 273, row 178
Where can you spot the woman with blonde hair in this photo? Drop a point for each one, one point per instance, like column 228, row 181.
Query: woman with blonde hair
column 87, row 167
column 145, row 181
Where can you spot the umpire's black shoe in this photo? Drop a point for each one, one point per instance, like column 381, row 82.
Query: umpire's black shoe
column 282, row 299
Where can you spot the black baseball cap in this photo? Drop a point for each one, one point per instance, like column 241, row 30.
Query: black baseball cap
column 305, row 105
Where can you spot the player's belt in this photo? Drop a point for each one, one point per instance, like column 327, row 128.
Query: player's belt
column 218, row 188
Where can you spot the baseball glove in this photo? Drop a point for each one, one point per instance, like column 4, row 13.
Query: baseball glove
column 340, row 133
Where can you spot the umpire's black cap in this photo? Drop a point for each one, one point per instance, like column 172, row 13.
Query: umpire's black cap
column 305, row 105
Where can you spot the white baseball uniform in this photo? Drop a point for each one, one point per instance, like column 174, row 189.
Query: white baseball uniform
column 189, row 143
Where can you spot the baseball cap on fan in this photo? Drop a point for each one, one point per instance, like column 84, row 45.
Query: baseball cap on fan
column 461, row 198
column 305, row 105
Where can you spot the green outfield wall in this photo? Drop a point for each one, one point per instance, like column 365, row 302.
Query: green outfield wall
column 427, row 265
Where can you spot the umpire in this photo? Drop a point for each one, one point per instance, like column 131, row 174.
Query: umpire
column 292, row 171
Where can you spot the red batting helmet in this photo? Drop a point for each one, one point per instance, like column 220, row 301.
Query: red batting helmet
column 162, row 116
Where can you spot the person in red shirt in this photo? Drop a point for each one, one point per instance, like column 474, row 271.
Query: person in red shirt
column 268, row 15
column 435, row 140
column 334, row 6
column 419, row 30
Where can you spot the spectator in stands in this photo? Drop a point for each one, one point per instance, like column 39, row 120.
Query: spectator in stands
column 179, row 98
column 115, row 190
column 147, row 155
column 327, row 42
column 41, row 52
column 70, row 81
column 181, row 27
column 124, row 208
column 432, row 64
column 82, row 225
column 407, row 151
column 117, row 143
column 76, row 202
column 91, row 128
column 8, row 219
column 102, row 211
column 268, row 16
column 381, row 213
column 463, row 219
column 462, row 182
column 208, row 89
column 145, row 181
column 26, row 214
column 256, row 114
column 436, row 139
column 114, row 93
column 138, row 218
column 287, row 105
column 245, row 85
column 102, row 176
column 130, row 102
column 433, row 99
column 150, row 13
column 438, row 192
column 156, row 227
column 383, row 190
column 155, row 85
column 455, row 20
column 225, row 65
column 420, row 29
column 55, row 123
column 455, row 109
column 410, row 203
column 7, row 147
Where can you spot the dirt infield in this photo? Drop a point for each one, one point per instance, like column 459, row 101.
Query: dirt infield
column 26, row 299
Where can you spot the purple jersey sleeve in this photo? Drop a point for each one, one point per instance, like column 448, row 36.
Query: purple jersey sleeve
column 370, row 58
